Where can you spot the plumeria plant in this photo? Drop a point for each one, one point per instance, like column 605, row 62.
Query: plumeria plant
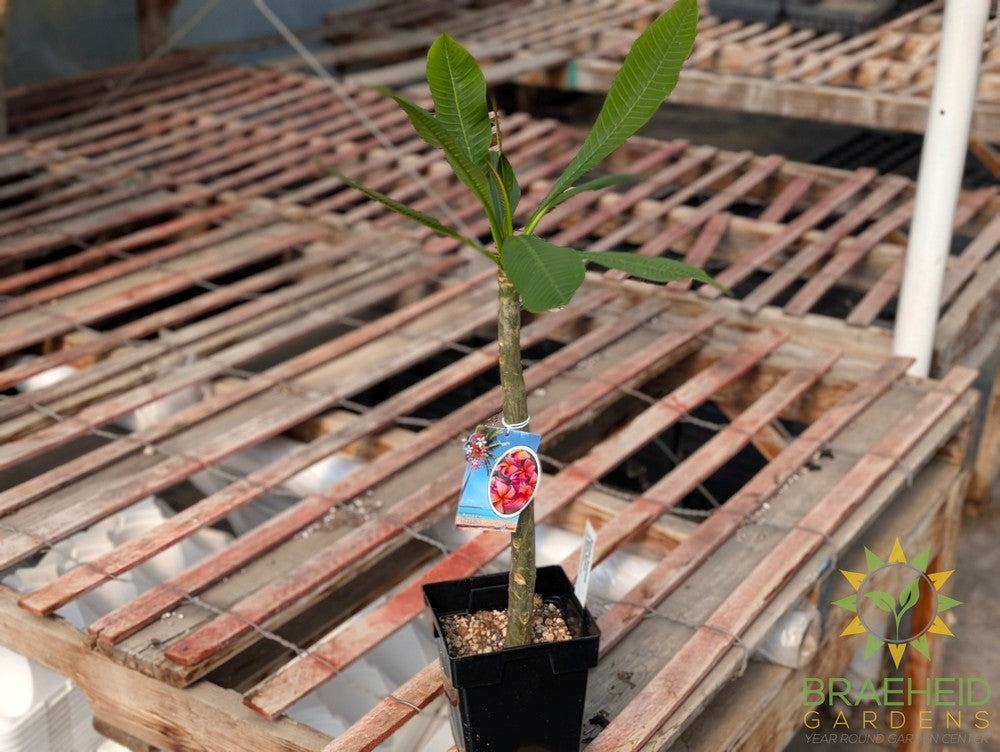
column 531, row 272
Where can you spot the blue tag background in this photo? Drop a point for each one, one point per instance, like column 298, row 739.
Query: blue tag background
column 474, row 508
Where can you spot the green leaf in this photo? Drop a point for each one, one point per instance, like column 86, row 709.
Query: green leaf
column 945, row 603
column 592, row 185
column 509, row 180
column 425, row 219
column 545, row 275
column 501, row 203
column 872, row 561
column 921, row 646
column 435, row 134
column 646, row 78
column 908, row 598
column 849, row 602
column 652, row 268
column 883, row 600
column 920, row 561
column 459, row 92
column 872, row 644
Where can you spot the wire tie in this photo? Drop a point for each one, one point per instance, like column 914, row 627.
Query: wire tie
column 508, row 427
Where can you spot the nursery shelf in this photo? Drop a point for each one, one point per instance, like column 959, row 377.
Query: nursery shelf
column 879, row 78
column 185, row 290
column 815, row 251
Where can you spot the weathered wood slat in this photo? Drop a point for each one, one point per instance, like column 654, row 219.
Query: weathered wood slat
column 799, row 264
column 790, row 195
column 275, row 596
column 91, row 217
column 721, row 200
column 661, row 696
column 693, row 160
column 617, row 621
column 687, row 476
column 345, row 645
column 748, row 263
column 841, row 261
column 703, row 247
column 197, row 372
column 258, row 423
column 143, row 285
column 213, row 508
column 161, row 231
column 887, row 286
column 197, row 340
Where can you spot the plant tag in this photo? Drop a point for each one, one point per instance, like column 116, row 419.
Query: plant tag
column 586, row 562
column 501, row 478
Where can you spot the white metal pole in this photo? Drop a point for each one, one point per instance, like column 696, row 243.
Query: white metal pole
column 941, row 164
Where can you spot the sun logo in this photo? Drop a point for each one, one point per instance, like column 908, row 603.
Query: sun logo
column 879, row 613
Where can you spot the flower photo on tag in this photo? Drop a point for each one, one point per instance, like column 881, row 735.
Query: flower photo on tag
column 501, row 477
column 513, row 481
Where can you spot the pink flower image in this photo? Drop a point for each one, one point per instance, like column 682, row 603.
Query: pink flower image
column 513, row 481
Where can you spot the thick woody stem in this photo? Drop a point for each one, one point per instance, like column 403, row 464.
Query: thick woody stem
column 515, row 410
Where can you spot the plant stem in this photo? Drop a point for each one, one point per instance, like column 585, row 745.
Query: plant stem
column 521, row 589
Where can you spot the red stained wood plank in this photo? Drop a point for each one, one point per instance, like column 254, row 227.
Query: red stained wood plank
column 162, row 231
column 113, row 269
column 267, row 423
column 379, row 724
column 104, row 412
column 695, row 469
column 692, row 160
column 749, row 262
column 620, row 618
column 266, row 244
column 974, row 254
column 69, row 225
column 811, row 254
column 786, row 200
column 624, row 202
column 886, row 288
column 703, row 247
column 139, row 94
column 218, row 505
column 244, row 293
column 718, row 202
column 665, row 692
column 846, row 257
column 345, row 645
column 132, row 616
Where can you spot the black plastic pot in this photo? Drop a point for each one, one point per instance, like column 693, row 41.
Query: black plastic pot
column 526, row 699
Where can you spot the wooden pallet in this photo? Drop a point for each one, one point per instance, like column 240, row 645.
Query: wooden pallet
column 176, row 243
column 310, row 318
column 619, row 367
column 816, row 251
column 879, row 79
column 127, row 259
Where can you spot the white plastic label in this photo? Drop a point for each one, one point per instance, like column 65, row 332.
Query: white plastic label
column 586, row 562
